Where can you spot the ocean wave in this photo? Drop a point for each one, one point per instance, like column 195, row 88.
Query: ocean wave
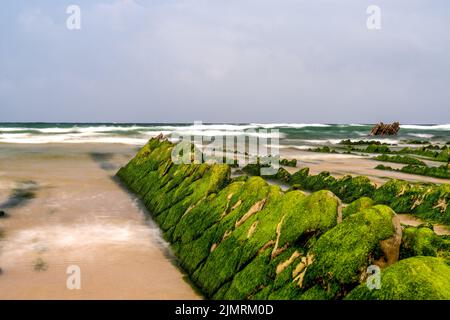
column 139, row 138
column 69, row 138
column 421, row 135
column 218, row 133
column 74, row 129
column 426, row 127
column 352, row 125
column 321, row 141
column 220, row 127
column 289, row 125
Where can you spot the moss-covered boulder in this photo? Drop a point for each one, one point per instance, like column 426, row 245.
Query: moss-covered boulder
column 416, row 278
column 316, row 213
column 357, row 206
column 283, row 175
column 347, row 188
column 420, row 241
column 424, row 200
column 350, row 188
column 341, row 255
column 299, row 177
column 288, row 163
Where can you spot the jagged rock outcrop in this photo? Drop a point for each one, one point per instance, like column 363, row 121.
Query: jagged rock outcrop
column 243, row 238
column 381, row 129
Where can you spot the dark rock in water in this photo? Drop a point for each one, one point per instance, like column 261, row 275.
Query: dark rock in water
column 2, row 214
column 385, row 129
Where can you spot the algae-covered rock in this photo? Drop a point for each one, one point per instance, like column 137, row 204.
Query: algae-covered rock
column 243, row 238
column 239, row 242
column 426, row 201
column 255, row 275
column 416, row 278
column 283, row 175
column 420, row 241
column 357, row 206
column 375, row 148
column 316, row 293
column 283, row 221
column 299, row 177
column 343, row 253
column 288, row 163
column 320, row 181
column 208, row 224
column 316, row 213
column 253, row 169
column 347, row 188
column 350, row 188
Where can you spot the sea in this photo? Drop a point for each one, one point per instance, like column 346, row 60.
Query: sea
column 297, row 135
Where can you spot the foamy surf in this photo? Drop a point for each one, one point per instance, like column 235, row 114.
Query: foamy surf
column 138, row 134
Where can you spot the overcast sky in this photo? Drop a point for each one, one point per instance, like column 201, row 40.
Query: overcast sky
column 225, row 61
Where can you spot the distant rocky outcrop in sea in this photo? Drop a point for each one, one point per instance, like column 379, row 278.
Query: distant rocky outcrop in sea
column 381, row 129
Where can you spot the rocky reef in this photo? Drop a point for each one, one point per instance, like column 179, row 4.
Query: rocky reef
column 243, row 238
column 427, row 201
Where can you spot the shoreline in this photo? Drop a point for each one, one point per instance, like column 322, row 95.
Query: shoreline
column 79, row 215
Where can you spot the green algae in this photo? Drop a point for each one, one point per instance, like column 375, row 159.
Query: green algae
column 288, row 163
column 416, row 278
column 342, row 254
column 400, row 159
column 242, row 238
column 425, row 201
column 357, row 206
column 347, row 188
column 420, row 241
column 315, row 213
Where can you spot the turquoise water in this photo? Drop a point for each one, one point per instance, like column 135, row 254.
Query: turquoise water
column 138, row 134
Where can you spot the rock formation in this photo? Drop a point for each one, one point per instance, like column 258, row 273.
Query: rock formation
column 381, row 129
column 244, row 238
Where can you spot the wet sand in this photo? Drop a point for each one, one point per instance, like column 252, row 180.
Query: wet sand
column 79, row 215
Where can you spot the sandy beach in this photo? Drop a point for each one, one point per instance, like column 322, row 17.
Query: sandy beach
column 79, row 215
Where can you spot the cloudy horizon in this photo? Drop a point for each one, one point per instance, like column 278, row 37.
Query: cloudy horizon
column 248, row 61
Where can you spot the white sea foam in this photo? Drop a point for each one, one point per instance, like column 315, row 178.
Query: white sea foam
column 219, row 133
column 426, row 127
column 139, row 134
column 289, row 125
column 69, row 138
column 220, row 127
column 421, row 135
column 321, row 141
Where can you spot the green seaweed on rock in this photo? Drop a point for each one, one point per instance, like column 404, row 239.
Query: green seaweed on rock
column 416, row 278
column 357, row 206
column 243, row 238
column 420, row 241
column 342, row 254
